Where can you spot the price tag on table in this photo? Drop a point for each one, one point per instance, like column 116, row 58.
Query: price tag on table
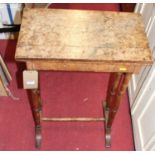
column 30, row 79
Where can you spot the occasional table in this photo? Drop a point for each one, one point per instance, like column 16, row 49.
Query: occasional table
column 85, row 41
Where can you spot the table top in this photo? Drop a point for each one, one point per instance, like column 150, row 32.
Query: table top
column 59, row 34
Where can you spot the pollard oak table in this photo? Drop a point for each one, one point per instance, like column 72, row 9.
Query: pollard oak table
column 76, row 40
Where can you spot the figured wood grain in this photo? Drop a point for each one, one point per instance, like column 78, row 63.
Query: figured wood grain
column 57, row 34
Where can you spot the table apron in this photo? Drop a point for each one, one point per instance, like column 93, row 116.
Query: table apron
column 83, row 66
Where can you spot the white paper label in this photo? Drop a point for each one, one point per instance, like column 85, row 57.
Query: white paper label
column 30, row 82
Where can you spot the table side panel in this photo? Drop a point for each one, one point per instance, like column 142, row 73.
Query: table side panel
column 82, row 66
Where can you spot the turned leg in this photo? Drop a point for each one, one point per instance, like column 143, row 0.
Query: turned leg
column 114, row 82
column 117, row 100
column 36, row 109
column 113, row 101
column 112, row 88
column 35, row 101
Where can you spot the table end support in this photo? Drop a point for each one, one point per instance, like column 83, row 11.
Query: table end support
column 107, row 130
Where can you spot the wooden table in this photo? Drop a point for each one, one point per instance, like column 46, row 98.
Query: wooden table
column 75, row 40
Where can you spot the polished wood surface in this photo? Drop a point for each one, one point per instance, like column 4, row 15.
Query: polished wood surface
column 58, row 34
